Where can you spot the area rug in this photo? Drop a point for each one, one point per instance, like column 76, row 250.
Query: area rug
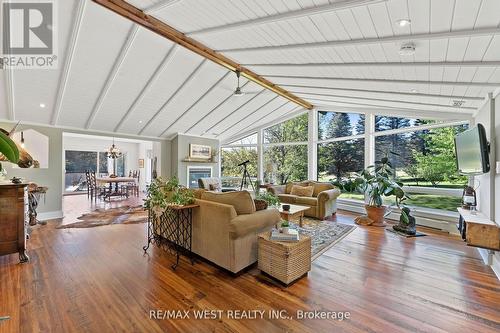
column 100, row 217
column 324, row 234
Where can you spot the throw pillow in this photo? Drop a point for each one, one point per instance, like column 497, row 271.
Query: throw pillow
column 302, row 191
column 214, row 187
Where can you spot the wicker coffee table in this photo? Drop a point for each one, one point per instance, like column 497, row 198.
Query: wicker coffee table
column 284, row 261
column 295, row 211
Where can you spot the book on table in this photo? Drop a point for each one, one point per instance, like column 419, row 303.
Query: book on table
column 291, row 236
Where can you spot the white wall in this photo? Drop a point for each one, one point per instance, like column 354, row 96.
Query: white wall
column 489, row 190
column 484, row 183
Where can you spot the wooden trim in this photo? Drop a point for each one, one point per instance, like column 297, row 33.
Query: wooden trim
column 149, row 22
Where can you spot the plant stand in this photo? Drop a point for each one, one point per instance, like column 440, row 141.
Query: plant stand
column 172, row 230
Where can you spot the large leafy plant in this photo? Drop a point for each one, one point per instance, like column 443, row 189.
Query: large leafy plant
column 271, row 199
column 163, row 192
column 380, row 181
column 8, row 149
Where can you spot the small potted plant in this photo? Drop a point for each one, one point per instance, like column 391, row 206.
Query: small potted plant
column 164, row 192
column 285, row 226
column 379, row 181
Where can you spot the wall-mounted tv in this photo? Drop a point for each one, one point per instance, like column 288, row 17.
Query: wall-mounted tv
column 472, row 150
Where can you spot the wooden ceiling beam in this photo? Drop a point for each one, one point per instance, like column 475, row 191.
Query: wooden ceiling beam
column 151, row 23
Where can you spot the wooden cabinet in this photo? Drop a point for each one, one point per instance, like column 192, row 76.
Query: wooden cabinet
column 478, row 230
column 13, row 219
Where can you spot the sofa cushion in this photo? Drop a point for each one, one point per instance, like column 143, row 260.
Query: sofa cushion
column 245, row 224
column 320, row 187
column 306, row 201
column 287, row 198
column 206, row 182
column 302, row 191
column 289, row 186
column 241, row 200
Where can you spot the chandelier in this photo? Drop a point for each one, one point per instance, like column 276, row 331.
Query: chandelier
column 113, row 152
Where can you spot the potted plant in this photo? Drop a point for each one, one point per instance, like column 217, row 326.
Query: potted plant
column 164, row 192
column 8, row 151
column 271, row 199
column 379, row 181
column 285, row 226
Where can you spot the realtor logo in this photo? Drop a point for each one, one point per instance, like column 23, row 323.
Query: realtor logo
column 28, row 34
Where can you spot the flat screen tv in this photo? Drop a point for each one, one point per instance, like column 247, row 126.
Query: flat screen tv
column 472, row 151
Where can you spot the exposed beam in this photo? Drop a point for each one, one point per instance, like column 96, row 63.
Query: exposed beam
column 443, row 83
column 368, row 41
column 212, row 87
column 164, row 106
column 70, row 52
column 235, row 110
column 249, row 114
column 113, row 74
column 149, row 22
column 167, row 60
column 381, row 92
column 215, row 108
column 381, row 64
column 303, row 12
column 389, row 100
column 242, row 121
column 371, row 105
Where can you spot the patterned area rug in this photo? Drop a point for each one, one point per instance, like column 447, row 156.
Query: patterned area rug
column 100, row 217
column 324, row 234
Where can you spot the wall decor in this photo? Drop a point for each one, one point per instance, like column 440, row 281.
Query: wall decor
column 200, row 151
column 141, row 163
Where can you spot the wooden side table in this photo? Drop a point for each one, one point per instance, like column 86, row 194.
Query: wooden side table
column 173, row 229
column 295, row 211
column 284, row 261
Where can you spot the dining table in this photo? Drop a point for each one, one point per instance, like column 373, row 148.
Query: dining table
column 117, row 181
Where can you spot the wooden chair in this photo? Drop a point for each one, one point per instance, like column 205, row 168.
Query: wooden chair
column 133, row 187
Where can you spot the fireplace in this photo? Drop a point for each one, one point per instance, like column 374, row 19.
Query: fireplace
column 195, row 173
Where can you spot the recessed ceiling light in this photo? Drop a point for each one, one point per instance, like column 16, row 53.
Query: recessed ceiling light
column 414, row 91
column 140, row 121
column 403, row 22
column 42, row 105
column 407, row 49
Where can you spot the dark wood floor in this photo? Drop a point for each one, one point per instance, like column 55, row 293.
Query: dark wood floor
column 98, row 280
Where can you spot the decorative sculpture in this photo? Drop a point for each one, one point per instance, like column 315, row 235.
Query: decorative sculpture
column 407, row 224
column 25, row 159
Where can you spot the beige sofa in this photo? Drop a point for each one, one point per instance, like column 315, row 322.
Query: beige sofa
column 322, row 204
column 225, row 228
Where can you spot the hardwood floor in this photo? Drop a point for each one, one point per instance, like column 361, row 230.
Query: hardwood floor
column 98, row 280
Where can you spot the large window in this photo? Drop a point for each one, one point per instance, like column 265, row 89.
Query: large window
column 293, row 130
column 341, row 152
column 421, row 151
column 339, row 125
column 285, row 163
column 425, row 159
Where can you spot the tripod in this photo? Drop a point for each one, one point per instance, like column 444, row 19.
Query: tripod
column 246, row 179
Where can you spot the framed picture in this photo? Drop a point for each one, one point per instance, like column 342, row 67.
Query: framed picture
column 200, row 151
column 141, row 163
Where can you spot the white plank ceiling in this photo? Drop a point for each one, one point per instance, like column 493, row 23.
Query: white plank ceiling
column 117, row 77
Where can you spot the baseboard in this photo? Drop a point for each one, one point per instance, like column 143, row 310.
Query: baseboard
column 58, row 214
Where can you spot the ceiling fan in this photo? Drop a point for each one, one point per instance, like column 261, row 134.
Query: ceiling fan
column 238, row 92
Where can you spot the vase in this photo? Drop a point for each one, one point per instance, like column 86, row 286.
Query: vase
column 376, row 214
